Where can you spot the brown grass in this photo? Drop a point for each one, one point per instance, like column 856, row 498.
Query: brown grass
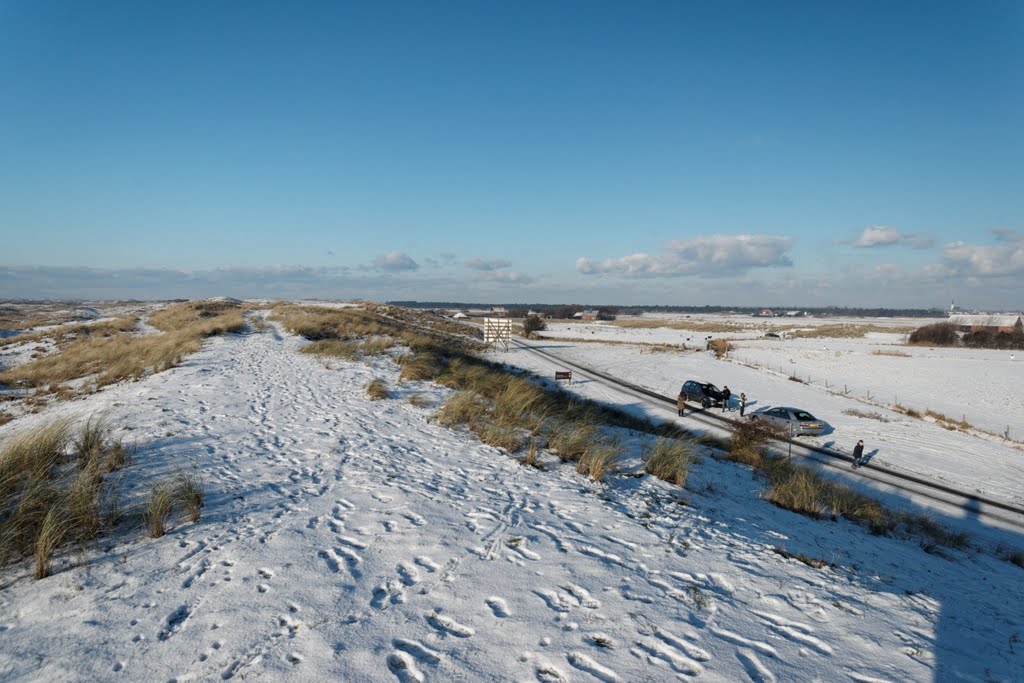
column 720, row 347
column 159, row 507
column 571, row 440
column 670, row 459
column 813, row 562
column 845, row 331
column 600, row 459
column 109, row 352
column 52, row 495
column 190, row 492
column 883, row 352
column 377, row 390
column 691, row 325
column 498, row 435
column 870, row 416
column 948, row 422
column 461, row 408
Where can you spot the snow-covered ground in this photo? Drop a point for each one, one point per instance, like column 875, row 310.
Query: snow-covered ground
column 847, row 384
column 347, row 539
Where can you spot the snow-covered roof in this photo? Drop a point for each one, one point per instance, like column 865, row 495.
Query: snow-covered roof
column 984, row 320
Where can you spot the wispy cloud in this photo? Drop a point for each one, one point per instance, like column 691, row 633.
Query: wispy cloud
column 507, row 276
column 487, row 264
column 995, row 260
column 715, row 255
column 395, row 262
column 884, row 236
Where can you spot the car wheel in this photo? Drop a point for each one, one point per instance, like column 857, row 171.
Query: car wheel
column 706, row 403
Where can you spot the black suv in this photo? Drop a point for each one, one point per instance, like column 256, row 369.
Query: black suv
column 704, row 393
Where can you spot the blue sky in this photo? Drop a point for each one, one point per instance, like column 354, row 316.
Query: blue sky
column 735, row 153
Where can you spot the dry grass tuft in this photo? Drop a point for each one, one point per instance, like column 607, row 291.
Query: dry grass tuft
column 845, row 331
column 909, row 412
column 690, row 325
column 720, row 347
column 600, row 459
column 670, row 459
column 52, row 533
column 461, row 408
column 532, row 457
column 420, row 400
column 870, row 416
column 813, row 562
column 190, row 491
column 109, row 353
column 571, row 440
column 421, row 366
column 159, row 507
column 50, row 494
column 498, row 435
column 948, row 422
column 377, row 390
column 884, row 352
column 333, row 348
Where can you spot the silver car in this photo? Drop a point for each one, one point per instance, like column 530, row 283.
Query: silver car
column 791, row 420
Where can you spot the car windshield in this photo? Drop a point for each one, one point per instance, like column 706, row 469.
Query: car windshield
column 803, row 415
column 711, row 388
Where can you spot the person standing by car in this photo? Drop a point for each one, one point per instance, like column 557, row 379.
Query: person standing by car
column 725, row 397
column 858, row 454
column 743, row 403
column 681, row 403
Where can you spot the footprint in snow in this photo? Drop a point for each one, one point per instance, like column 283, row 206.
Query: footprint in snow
column 408, row 573
column 417, row 650
column 427, row 563
column 174, row 622
column 403, row 666
column 448, row 626
column 498, row 606
column 415, row 519
column 757, row 671
column 585, row 663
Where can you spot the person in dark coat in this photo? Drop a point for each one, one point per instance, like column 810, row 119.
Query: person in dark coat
column 725, row 397
column 743, row 403
column 681, row 404
column 858, row 454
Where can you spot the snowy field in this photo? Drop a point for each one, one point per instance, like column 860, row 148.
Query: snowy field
column 348, row 539
column 847, row 384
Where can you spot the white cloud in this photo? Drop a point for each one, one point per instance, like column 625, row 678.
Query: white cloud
column 488, row 264
column 884, row 236
column 395, row 262
column 973, row 260
column 507, row 276
column 708, row 255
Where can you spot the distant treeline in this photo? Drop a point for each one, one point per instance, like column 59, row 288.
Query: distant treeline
column 560, row 310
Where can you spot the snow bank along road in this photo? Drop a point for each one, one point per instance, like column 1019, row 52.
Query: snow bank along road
column 941, row 496
column 346, row 539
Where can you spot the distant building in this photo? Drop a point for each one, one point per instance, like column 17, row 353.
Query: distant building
column 499, row 310
column 588, row 315
column 765, row 313
column 991, row 323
